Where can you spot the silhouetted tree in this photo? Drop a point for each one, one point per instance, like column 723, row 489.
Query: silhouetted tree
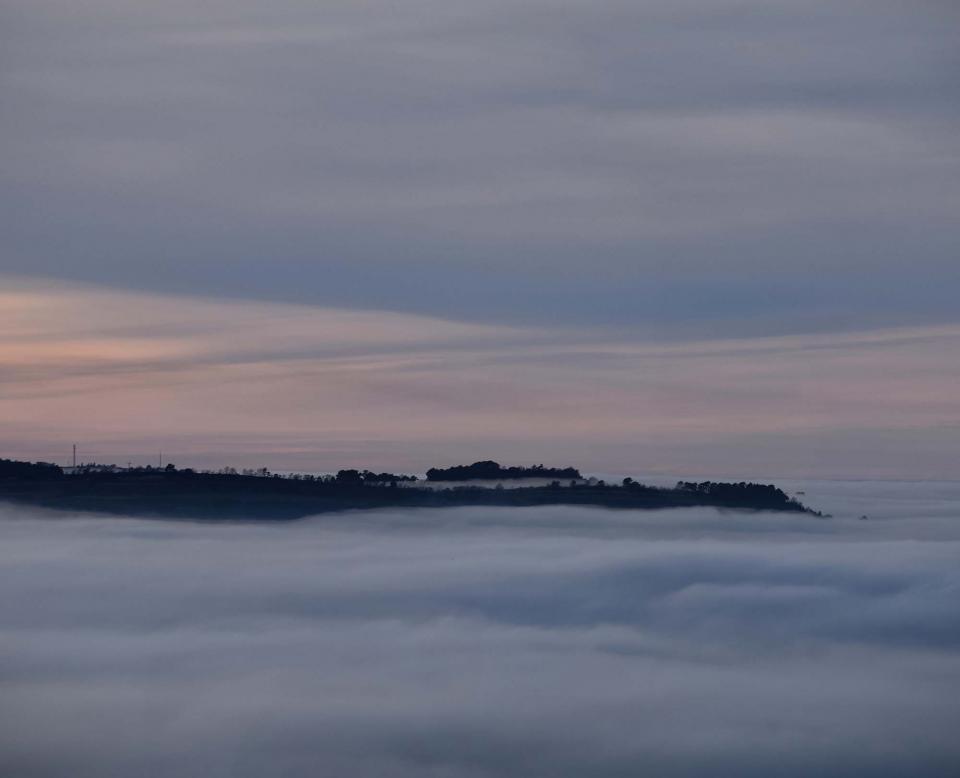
column 488, row 470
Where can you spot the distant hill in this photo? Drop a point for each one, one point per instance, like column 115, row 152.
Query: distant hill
column 260, row 495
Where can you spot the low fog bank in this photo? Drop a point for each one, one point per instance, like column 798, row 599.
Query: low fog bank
column 486, row 642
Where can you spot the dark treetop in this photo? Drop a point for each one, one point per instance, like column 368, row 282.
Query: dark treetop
column 489, row 470
column 261, row 495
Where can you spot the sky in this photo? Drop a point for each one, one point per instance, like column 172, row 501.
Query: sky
column 478, row 642
column 677, row 236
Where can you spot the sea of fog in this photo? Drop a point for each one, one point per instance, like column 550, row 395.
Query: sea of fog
column 475, row 642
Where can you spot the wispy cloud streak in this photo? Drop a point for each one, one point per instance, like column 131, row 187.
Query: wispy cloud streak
column 190, row 375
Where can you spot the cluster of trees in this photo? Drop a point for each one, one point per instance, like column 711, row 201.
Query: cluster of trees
column 361, row 477
column 259, row 493
column 343, row 477
column 765, row 494
column 11, row 468
column 490, row 470
column 485, row 470
column 92, row 468
column 96, row 467
column 255, row 472
column 16, row 469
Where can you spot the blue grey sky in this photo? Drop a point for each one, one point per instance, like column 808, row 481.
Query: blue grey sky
column 791, row 164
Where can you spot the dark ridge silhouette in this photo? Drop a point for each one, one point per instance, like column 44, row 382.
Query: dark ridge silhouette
column 489, row 470
column 367, row 477
column 11, row 468
column 260, row 495
column 766, row 494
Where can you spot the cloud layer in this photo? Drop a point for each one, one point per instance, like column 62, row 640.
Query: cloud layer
column 486, row 643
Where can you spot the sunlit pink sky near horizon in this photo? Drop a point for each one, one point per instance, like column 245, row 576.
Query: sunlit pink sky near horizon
column 293, row 387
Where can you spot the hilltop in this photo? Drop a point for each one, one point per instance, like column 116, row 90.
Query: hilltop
column 261, row 495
